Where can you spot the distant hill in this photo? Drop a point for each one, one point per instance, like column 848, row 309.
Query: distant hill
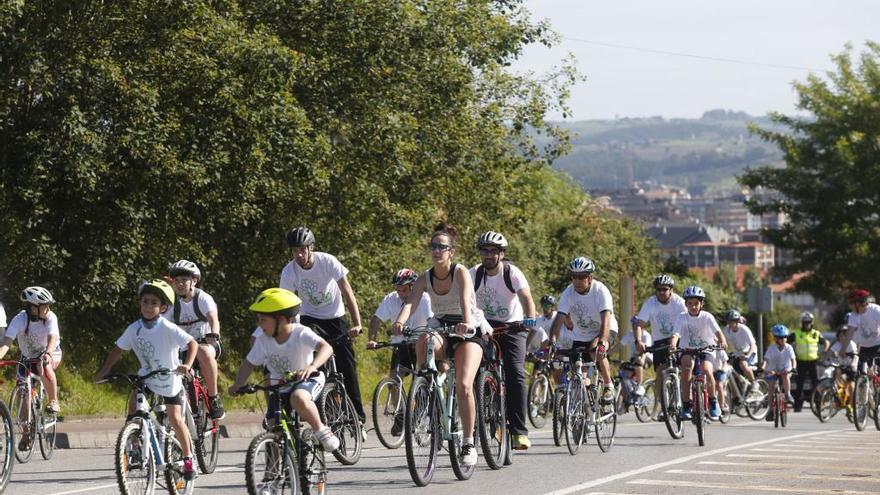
column 703, row 155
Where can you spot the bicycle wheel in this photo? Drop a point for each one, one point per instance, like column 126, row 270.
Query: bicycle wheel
column 339, row 414
column 539, row 395
column 388, row 413
column 134, row 462
column 877, row 408
column 646, row 407
column 421, row 431
column 725, row 413
column 47, row 423
column 575, row 417
column 698, row 412
column 604, row 421
column 454, row 446
column 860, row 402
column 7, row 444
column 269, row 466
column 313, row 466
column 669, row 400
column 758, row 401
column 24, row 422
column 206, row 438
column 558, row 417
column 174, row 481
column 783, row 413
column 492, row 420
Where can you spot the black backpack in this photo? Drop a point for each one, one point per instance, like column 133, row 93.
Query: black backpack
column 198, row 310
column 481, row 275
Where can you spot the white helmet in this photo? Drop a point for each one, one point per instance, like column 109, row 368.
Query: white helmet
column 581, row 265
column 491, row 238
column 694, row 291
column 807, row 316
column 184, row 267
column 36, row 295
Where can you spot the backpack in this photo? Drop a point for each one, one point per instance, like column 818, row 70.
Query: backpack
column 481, row 275
column 199, row 315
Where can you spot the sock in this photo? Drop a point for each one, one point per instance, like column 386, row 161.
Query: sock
column 467, row 441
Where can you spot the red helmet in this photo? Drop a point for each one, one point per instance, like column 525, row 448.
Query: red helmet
column 404, row 276
column 858, row 295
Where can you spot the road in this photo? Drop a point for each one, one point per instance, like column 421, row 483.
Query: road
column 806, row 457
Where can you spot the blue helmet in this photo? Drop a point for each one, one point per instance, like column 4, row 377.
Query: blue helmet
column 694, row 291
column 780, row 330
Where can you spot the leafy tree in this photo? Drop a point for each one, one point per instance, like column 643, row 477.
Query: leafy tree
column 725, row 276
column 752, row 278
column 830, row 185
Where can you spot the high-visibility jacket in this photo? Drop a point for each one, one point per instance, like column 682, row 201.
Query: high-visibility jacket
column 806, row 344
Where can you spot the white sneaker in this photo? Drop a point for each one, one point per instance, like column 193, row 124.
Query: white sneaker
column 640, row 390
column 328, row 439
column 754, row 386
column 468, row 455
column 363, row 433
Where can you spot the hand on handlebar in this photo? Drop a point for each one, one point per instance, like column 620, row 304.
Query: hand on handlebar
column 462, row 328
column 372, row 344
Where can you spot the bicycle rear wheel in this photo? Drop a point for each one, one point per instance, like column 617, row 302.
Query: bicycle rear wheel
column 421, row 431
column 671, row 407
column 860, row 402
column 647, row 405
column 24, row 423
column 539, row 400
column 877, row 408
column 783, row 413
column 339, row 414
column 134, row 462
column 758, row 402
column 388, row 413
column 270, row 467
column 826, row 407
column 206, row 438
column 558, row 417
column 492, row 419
column 48, row 435
column 575, row 417
column 604, row 422
column 699, row 412
column 7, row 444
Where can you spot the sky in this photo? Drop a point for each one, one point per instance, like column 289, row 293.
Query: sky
column 777, row 41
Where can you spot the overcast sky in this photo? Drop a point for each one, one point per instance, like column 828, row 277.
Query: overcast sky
column 636, row 82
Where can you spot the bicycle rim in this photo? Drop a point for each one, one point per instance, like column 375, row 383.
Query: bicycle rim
column 174, row 482
column 558, row 418
column 860, row 402
column 538, row 400
column 421, row 432
column 669, row 401
column 758, row 402
column 877, row 408
column 698, row 413
column 492, row 423
column 208, row 439
column 269, row 466
column 605, row 425
column 388, row 409
column 22, row 418
column 574, row 416
column 454, row 445
column 647, row 406
column 339, row 415
column 134, row 462
column 7, row 443
column 48, row 435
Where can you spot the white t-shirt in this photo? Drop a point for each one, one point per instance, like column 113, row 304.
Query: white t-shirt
column 696, row 331
column 390, row 308
column 660, row 316
column 189, row 322
column 35, row 340
column 318, row 286
column 779, row 360
column 156, row 348
column 849, row 361
column 2, row 317
column 718, row 359
column 629, row 341
column 585, row 310
column 866, row 325
column 495, row 299
column 740, row 340
column 294, row 354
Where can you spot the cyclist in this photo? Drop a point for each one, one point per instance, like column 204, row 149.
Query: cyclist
column 720, row 365
column 504, row 295
column 743, row 348
column 660, row 311
column 288, row 347
column 322, row 283
column 779, row 358
column 451, row 291
column 195, row 311
column 806, row 341
column 845, row 373
column 694, row 329
column 639, row 360
column 589, row 303
column 157, row 343
column 543, row 323
column 403, row 281
column 864, row 326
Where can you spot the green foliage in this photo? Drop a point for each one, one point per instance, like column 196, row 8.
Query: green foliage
column 830, row 185
column 725, row 276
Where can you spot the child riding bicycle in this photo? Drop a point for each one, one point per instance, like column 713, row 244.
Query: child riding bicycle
column 779, row 360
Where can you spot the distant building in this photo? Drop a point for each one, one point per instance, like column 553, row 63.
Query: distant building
column 785, row 292
column 708, row 254
column 670, row 237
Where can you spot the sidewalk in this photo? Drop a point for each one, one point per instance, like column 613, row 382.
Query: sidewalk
column 80, row 432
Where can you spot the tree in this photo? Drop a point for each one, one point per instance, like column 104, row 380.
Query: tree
column 752, row 278
column 725, row 276
column 830, row 185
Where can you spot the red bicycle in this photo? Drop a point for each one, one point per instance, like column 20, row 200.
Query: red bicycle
column 206, row 436
column 778, row 404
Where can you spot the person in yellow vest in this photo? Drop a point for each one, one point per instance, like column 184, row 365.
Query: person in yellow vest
column 808, row 343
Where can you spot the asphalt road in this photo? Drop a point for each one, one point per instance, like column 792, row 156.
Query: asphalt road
column 741, row 457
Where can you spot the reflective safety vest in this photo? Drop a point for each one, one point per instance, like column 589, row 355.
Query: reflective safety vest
column 806, row 344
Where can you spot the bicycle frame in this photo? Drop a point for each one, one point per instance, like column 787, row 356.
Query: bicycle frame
column 446, row 398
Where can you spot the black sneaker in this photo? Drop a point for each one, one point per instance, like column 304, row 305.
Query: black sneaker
column 217, row 411
column 769, row 416
column 397, row 427
column 25, row 443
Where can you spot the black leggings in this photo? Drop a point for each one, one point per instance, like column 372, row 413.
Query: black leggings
column 335, row 332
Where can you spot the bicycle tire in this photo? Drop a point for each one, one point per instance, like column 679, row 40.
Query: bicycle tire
column 575, row 417
column 338, row 413
column 558, row 417
column 17, row 404
column 206, row 439
column 860, row 402
column 604, row 422
column 134, row 463
column 174, row 481
column 539, row 400
column 7, row 443
column 783, row 413
column 698, row 412
column 826, row 405
column 758, row 402
column 386, row 411
column 421, row 431
column 280, row 468
column 312, row 466
column 647, row 406
column 461, row 471
column 725, row 414
column 877, row 408
column 492, row 420
column 669, row 401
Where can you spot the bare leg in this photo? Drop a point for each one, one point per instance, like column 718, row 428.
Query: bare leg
column 467, row 363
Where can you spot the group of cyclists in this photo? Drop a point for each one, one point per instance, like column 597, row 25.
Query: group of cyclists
column 302, row 323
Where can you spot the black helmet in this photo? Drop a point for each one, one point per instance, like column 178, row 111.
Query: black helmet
column 548, row 300
column 300, row 236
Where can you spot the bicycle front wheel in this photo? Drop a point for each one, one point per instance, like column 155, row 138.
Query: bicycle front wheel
column 492, row 420
column 421, row 431
column 539, row 400
column 646, row 407
column 174, row 481
column 270, row 467
column 758, row 401
column 339, row 414
column 575, row 416
column 206, row 438
column 134, row 461
column 699, row 412
column 24, row 423
column 7, row 443
column 388, row 413
column 461, row 471
column 877, row 408
column 860, row 402
column 558, row 417
column 669, row 400
column 604, row 422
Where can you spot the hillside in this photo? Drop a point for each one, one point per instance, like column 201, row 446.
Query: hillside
column 702, row 154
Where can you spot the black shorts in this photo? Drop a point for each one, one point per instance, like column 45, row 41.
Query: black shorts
column 403, row 356
column 867, row 355
column 586, row 350
column 452, row 344
column 661, row 352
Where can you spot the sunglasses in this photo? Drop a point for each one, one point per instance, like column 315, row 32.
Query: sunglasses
column 436, row 246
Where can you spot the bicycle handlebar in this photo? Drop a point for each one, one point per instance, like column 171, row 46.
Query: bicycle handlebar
column 135, row 378
column 252, row 388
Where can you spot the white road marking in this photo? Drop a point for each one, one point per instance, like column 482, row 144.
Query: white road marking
column 825, row 447
column 738, row 487
column 786, row 451
column 764, row 464
column 777, row 456
column 774, row 474
column 84, row 490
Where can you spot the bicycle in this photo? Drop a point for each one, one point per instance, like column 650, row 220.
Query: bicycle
column 146, row 444
column 287, row 458
column 491, row 393
column 29, row 421
column 206, row 434
column 831, row 395
column 826, row 381
column 584, row 409
column 559, row 361
column 866, row 394
column 699, row 392
column 7, row 444
column 778, row 404
column 742, row 399
column 644, row 405
column 670, row 396
column 540, row 394
column 431, row 416
column 389, row 402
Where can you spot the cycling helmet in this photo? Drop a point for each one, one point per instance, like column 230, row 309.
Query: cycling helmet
column 404, row 276
column 581, row 265
column 36, row 295
column 491, row 238
column 694, row 291
column 159, row 288
column 300, row 236
column 548, row 300
column 184, row 267
column 780, row 330
column 858, row 295
column 806, row 316
column 732, row 315
column 276, row 301
column 664, row 279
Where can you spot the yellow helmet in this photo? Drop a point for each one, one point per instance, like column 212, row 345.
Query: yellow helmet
column 158, row 287
column 275, row 300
